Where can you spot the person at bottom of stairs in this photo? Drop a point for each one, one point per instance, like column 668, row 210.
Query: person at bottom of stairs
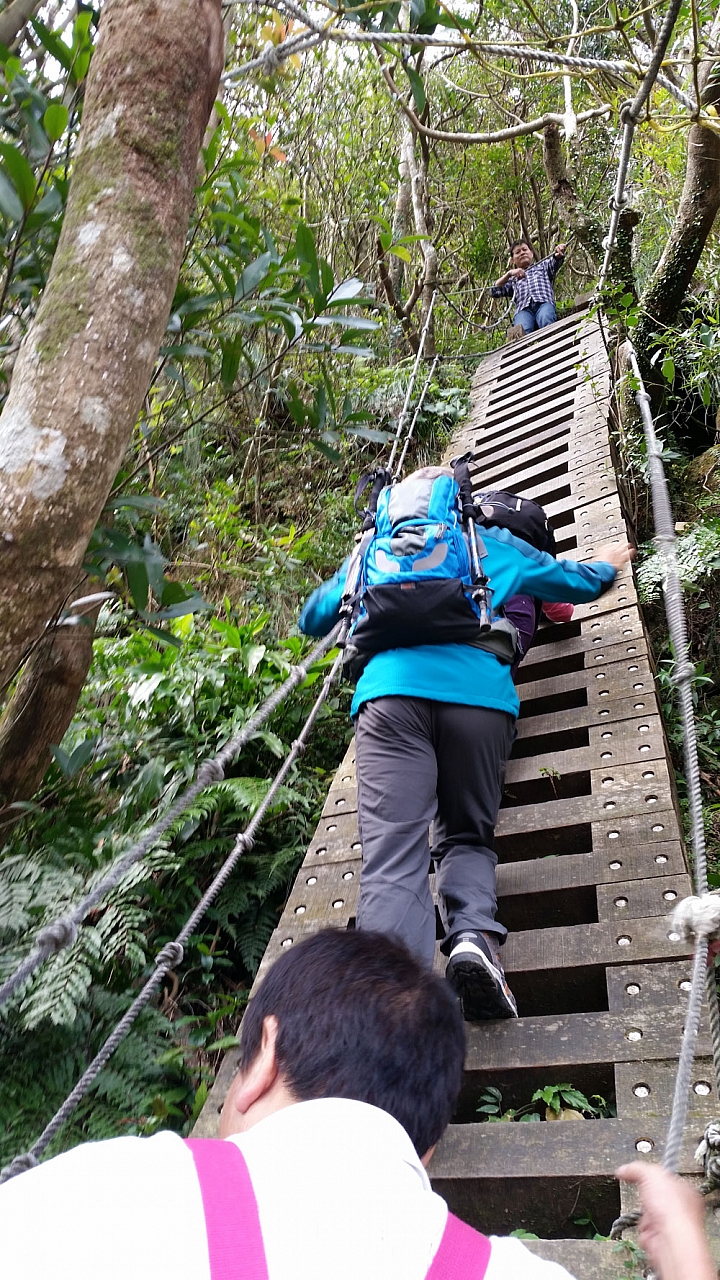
column 434, row 727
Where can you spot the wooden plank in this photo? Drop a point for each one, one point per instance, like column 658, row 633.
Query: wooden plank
column 646, row 1089
column 572, row 1040
column 516, row 449
column 554, row 874
column 470, row 1151
column 554, row 379
column 649, row 986
column 599, row 944
column 495, row 470
column 616, row 836
column 635, row 898
column 589, row 1259
column 534, row 818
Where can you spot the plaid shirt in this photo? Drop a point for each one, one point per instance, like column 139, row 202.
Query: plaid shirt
column 535, row 286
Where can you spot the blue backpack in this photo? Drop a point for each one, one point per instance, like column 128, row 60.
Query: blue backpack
column 410, row 581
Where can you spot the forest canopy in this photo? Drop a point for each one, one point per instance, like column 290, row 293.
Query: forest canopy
column 222, row 227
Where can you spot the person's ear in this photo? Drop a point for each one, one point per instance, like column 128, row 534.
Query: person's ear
column 425, row 1160
column 252, row 1085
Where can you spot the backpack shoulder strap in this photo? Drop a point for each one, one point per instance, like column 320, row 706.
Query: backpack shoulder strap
column 232, row 1223
column 462, row 1253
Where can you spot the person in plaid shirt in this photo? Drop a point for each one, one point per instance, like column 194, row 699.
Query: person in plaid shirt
column 530, row 283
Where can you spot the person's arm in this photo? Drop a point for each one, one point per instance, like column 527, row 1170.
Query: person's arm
column 502, row 288
column 565, row 580
column 671, row 1229
column 556, row 261
column 322, row 610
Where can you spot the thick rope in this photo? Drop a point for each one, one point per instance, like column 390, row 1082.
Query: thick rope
column 630, row 116
column 61, row 933
column 273, row 55
column 172, row 953
column 411, row 383
column 411, row 428
column 695, row 918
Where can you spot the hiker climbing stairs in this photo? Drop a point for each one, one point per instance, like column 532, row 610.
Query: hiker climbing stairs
column 590, row 852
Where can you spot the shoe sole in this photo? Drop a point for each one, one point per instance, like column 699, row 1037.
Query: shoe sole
column 481, row 994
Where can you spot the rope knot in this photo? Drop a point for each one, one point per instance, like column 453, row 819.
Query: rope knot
column 58, row 935
column 302, row 672
column 708, row 1154
column 684, row 672
column 299, row 747
column 617, row 205
column 626, row 115
column 211, row 771
column 20, row 1164
column 697, row 918
column 270, row 62
column 171, row 955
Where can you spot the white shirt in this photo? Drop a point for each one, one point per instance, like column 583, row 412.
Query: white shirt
column 340, row 1192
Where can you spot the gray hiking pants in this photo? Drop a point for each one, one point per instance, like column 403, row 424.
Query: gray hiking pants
column 420, row 762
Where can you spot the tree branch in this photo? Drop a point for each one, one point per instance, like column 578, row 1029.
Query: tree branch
column 500, row 135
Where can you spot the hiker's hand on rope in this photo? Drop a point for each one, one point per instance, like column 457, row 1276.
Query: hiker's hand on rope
column 671, row 1229
column 516, row 273
column 618, row 554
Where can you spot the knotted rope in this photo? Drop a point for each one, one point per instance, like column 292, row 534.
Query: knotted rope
column 172, row 953
column 696, row 919
column 62, row 932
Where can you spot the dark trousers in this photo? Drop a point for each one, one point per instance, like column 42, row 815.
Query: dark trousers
column 420, row 762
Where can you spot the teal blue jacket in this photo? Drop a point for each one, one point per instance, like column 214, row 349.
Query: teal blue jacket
column 459, row 672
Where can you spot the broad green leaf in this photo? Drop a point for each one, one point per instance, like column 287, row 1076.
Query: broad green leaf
column 307, row 254
column 20, row 172
column 55, row 121
column 62, row 758
column 346, row 290
column 668, row 369
column 418, row 88
column 138, row 583
column 10, row 204
column 363, row 323
column 54, row 45
column 253, row 274
column 400, row 252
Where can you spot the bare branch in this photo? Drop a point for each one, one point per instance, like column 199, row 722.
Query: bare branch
column 500, row 135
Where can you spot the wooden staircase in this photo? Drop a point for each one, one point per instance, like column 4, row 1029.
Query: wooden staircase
column 591, row 855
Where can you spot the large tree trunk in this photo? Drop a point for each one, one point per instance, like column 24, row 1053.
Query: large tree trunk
column 14, row 17
column 44, row 701
column 80, row 377
column 588, row 230
column 693, row 223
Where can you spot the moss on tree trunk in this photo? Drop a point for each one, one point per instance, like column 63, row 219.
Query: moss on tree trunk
column 81, row 375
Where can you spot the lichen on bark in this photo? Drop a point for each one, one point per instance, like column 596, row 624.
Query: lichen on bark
column 80, row 377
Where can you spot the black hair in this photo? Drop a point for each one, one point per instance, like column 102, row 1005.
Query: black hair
column 359, row 1017
column 515, row 244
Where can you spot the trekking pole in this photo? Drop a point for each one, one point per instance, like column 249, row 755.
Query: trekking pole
column 461, row 471
column 418, row 407
column 411, row 384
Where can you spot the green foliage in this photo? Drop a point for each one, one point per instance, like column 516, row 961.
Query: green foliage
column 553, row 1097
column 149, row 713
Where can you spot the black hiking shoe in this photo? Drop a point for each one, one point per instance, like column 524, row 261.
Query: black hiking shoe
column 475, row 972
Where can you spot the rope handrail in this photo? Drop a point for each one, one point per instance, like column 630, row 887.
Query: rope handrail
column 172, row 953
column 62, row 932
column 630, row 115
column 411, row 384
column 316, row 33
column 691, row 916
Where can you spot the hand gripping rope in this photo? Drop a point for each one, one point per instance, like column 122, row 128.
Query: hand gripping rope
column 172, row 953
column 697, row 918
column 62, row 932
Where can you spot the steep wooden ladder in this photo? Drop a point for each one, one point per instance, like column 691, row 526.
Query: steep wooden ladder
column 589, row 843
